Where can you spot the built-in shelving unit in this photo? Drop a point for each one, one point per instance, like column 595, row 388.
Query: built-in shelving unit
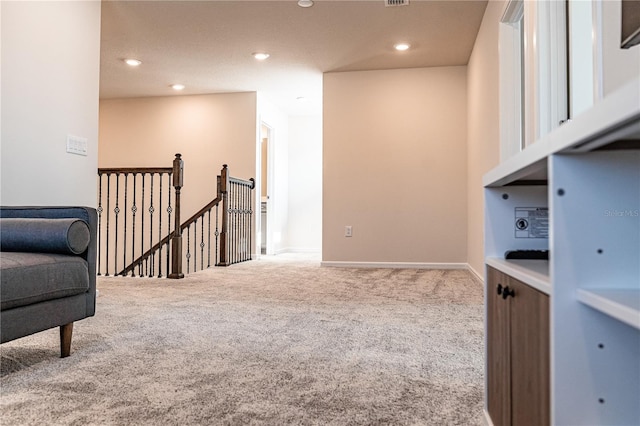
column 586, row 174
column 622, row 305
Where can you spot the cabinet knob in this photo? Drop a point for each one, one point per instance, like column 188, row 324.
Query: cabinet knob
column 499, row 288
column 507, row 292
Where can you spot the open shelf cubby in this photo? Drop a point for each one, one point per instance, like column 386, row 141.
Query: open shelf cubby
column 622, row 305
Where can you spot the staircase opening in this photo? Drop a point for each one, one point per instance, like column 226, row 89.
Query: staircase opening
column 141, row 231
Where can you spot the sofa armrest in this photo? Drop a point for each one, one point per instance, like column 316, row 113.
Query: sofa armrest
column 88, row 214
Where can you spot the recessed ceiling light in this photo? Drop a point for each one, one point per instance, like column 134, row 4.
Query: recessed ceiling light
column 402, row 46
column 261, row 56
column 177, row 86
column 305, row 3
column 132, row 62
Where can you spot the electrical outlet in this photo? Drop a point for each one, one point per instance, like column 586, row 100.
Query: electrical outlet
column 348, row 231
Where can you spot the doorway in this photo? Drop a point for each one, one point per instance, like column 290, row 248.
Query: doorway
column 266, row 210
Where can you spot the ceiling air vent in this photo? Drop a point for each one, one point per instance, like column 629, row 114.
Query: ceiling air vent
column 388, row 3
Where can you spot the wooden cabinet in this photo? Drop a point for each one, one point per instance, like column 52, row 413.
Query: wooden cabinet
column 518, row 374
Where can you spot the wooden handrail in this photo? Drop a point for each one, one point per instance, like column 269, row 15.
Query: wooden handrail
column 166, row 239
column 134, row 170
column 201, row 212
column 251, row 182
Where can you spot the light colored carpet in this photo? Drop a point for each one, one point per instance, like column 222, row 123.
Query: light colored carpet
column 275, row 341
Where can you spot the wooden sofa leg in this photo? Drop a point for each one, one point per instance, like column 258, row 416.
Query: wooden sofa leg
column 66, row 331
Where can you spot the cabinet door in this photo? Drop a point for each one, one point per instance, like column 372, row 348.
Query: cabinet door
column 530, row 373
column 498, row 351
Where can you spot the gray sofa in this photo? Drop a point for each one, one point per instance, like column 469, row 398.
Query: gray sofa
column 47, row 270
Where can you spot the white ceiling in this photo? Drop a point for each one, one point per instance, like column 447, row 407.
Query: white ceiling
column 207, row 45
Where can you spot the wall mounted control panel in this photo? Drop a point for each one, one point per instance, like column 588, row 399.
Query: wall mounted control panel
column 77, row 145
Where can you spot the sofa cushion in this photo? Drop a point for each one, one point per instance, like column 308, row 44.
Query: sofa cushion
column 27, row 278
column 64, row 236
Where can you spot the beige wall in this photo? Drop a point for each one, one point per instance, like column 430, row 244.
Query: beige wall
column 208, row 130
column 394, row 166
column 50, row 78
column 483, row 134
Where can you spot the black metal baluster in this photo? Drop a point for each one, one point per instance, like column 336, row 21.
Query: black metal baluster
column 245, row 212
column 169, row 209
column 246, row 225
column 250, row 224
column 237, row 220
column 202, row 243
column 209, row 240
column 234, row 256
column 99, row 220
column 217, row 234
column 116, row 210
column 231, row 227
column 195, row 244
column 243, row 217
column 160, row 228
column 241, row 250
column 134, row 209
column 188, row 248
column 239, row 231
column 247, row 221
column 241, row 220
column 124, row 210
column 108, row 215
column 151, row 210
column 195, row 249
column 142, row 271
column 232, row 223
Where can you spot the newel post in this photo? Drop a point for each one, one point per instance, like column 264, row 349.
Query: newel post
column 176, row 240
column 224, row 233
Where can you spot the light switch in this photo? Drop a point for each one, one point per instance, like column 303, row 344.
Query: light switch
column 77, row 145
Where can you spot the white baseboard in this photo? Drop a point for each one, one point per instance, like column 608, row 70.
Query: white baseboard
column 298, row 250
column 394, row 265
column 487, row 418
column 474, row 272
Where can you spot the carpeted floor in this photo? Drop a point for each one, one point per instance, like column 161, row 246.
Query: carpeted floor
column 275, row 341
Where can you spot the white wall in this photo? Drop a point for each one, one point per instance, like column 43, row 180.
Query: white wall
column 278, row 211
column 305, row 184
column 50, row 83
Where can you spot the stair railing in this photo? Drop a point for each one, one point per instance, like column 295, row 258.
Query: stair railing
column 131, row 207
column 222, row 228
column 236, row 237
